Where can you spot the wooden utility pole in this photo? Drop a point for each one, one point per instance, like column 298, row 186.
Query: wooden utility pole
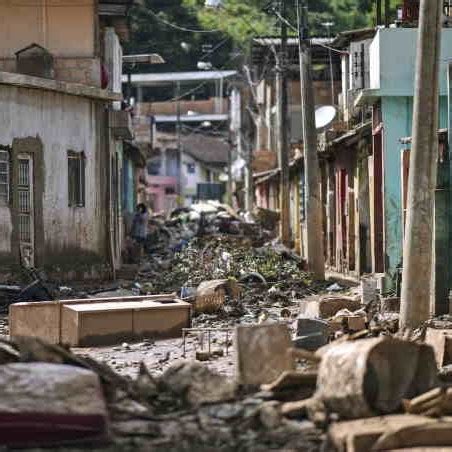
column 283, row 128
column 418, row 246
column 314, row 229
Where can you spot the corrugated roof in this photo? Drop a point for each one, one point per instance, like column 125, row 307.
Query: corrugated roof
column 174, row 77
column 165, row 119
column 206, row 149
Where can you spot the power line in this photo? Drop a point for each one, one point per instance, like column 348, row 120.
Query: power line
column 178, row 27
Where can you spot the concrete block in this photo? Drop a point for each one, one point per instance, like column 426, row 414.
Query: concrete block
column 368, row 290
column 441, row 341
column 262, row 353
column 327, row 307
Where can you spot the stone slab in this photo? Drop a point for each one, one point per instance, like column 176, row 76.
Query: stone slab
column 43, row 403
column 262, row 353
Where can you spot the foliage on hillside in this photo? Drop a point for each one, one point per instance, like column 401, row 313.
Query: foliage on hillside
column 158, row 26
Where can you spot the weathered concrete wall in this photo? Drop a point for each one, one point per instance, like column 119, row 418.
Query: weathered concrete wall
column 64, row 27
column 392, row 61
column 77, row 70
column 59, row 123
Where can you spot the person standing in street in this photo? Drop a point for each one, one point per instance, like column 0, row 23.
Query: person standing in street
column 140, row 227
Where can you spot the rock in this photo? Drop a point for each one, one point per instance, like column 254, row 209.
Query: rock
column 146, row 384
column 270, row 415
column 262, row 353
column 43, row 403
column 197, row 384
column 226, row 411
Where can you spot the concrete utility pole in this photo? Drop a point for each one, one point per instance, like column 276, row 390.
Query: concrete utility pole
column 179, row 145
column 282, row 136
column 418, row 246
column 314, row 228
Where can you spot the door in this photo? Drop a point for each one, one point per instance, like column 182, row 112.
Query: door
column 25, row 205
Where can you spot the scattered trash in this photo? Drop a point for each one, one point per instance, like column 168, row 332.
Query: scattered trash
column 334, row 288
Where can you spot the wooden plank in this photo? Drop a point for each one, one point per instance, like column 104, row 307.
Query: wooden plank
column 360, row 435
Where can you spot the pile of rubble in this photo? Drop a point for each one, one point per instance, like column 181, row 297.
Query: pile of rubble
column 357, row 393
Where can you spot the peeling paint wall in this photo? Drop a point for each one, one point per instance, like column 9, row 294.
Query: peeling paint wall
column 60, row 123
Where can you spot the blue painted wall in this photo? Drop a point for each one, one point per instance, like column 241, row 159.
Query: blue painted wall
column 397, row 122
column 128, row 186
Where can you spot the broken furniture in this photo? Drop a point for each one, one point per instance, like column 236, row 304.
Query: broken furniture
column 201, row 331
column 87, row 322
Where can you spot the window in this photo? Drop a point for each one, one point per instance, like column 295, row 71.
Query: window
column 4, row 177
column 76, row 179
column 153, row 167
column 191, row 168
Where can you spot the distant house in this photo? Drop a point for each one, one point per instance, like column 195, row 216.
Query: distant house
column 203, row 117
column 61, row 140
column 203, row 161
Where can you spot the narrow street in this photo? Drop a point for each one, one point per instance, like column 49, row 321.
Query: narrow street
column 225, row 225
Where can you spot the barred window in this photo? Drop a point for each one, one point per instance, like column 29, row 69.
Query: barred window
column 76, row 179
column 4, row 177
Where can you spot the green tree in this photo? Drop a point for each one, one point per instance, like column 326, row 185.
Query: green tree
column 161, row 26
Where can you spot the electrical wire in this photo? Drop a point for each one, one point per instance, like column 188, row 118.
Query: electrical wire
column 342, row 52
column 178, row 27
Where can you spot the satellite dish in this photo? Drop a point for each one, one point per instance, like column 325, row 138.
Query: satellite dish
column 324, row 116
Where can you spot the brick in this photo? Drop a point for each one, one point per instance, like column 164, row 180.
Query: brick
column 262, row 353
